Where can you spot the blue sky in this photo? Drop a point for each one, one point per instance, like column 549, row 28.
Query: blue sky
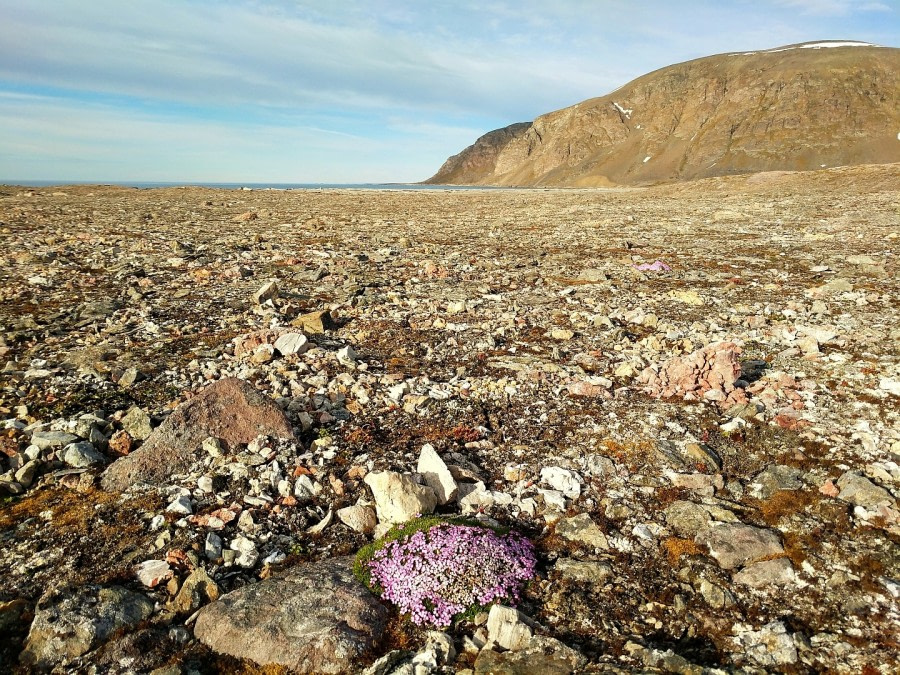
column 346, row 90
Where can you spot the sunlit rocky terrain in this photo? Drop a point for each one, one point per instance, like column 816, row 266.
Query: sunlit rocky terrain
column 687, row 397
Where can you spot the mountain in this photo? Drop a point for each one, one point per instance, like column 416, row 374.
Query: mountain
column 799, row 107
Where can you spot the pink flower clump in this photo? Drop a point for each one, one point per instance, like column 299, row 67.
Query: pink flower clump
column 436, row 574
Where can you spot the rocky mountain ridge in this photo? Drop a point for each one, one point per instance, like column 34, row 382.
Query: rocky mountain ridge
column 799, row 107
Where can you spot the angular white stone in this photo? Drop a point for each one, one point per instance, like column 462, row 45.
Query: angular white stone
column 347, row 356
column 152, row 572
column 890, row 386
column 506, row 628
column 246, row 550
column 437, row 475
column 181, row 505
column 304, row 488
column 553, row 499
column 292, row 343
column 398, row 497
column 566, row 481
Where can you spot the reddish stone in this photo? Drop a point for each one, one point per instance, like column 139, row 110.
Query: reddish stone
column 8, row 446
column 716, row 366
column 120, row 443
column 177, row 557
column 230, row 410
column 829, row 489
column 224, row 516
column 433, row 271
column 587, row 390
column 790, row 422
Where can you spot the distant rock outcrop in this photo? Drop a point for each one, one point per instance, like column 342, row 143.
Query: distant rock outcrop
column 794, row 108
column 480, row 158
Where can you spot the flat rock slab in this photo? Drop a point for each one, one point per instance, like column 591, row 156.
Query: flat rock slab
column 70, row 623
column 317, row 618
column 777, row 572
column 587, row 571
column 736, row 544
column 541, row 656
column 582, row 530
column 860, row 491
column 52, row 439
column 230, row 410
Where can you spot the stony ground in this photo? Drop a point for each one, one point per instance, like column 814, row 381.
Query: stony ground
column 686, row 396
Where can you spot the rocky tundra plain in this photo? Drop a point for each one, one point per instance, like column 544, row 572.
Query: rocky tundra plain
column 685, row 396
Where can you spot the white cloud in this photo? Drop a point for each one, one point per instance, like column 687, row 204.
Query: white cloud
column 835, row 7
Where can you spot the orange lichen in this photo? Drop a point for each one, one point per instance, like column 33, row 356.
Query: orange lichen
column 676, row 547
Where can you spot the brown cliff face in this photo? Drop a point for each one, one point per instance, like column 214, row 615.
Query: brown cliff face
column 793, row 108
column 480, row 158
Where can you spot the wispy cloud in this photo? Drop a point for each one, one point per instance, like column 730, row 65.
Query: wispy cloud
column 57, row 138
column 230, row 53
column 835, row 7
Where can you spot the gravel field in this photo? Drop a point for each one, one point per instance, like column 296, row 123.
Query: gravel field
column 686, row 396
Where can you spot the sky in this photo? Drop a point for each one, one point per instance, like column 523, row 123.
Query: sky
column 343, row 91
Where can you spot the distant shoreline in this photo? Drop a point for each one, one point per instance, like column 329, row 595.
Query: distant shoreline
column 146, row 185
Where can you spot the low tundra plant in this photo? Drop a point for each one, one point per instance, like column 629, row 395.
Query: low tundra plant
column 440, row 569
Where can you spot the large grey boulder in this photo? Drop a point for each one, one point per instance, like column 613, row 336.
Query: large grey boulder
column 230, row 410
column 82, row 455
column 70, row 623
column 316, row 618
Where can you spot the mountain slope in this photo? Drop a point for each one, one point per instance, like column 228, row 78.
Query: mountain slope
column 794, row 108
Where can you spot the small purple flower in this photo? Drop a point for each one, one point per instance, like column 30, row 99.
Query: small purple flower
column 438, row 574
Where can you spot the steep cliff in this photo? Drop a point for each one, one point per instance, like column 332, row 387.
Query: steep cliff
column 793, row 108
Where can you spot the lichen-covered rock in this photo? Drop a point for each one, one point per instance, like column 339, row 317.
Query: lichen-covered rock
column 541, row 655
column 69, row 623
column 736, row 544
column 317, row 618
column 581, row 529
column 771, row 645
column 860, row 491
